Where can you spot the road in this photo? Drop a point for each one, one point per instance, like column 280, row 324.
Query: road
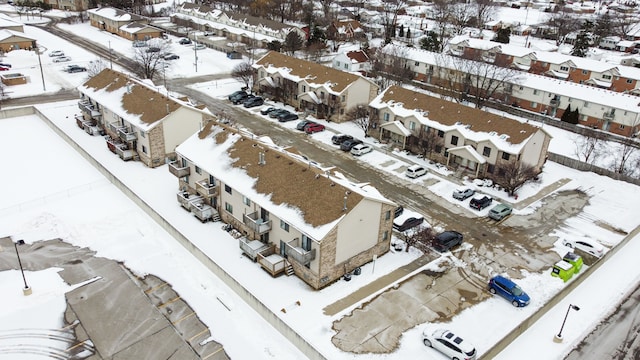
column 616, row 337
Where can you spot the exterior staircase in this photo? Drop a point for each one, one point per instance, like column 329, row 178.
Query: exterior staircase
column 289, row 269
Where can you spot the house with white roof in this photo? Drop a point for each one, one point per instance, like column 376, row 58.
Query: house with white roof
column 325, row 92
column 289, row 215
column 352, row 61
column 139, row 122
column 465, row 138
column 14, row 40
column 122, row 23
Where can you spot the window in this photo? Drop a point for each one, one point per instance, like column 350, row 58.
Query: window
column 621, row 127
column 385, row 116
column 583, row 117
column 144, row 149
column 586, row 104
column 454, row 140
column 321, row 94
column 143, row 134
column 228, row 208
column 412, row 125
column 346, row 66
column 385, row 235
column 486, row 151
column 535, row 91
column 440, row 133
column 564, row 68
column 304, row 88
column 505, row 156
column 227, row 188
column 246, row 201
column 446, row 152
column 584, row 72
column 521, row 87
column 387, row 215
column 606, row 77
column 417, row 63
column 491, row 168
column 438, row 149
column 629, row 81
column 198, row 170
column 306, row 242
column 534, row 104
column 343, row 98
column 284, row 226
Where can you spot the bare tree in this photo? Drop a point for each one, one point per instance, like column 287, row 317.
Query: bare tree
column 389, row 66
column 390, row 10
column 440, row 13
column 484, row 10
column 514, row 175
column 588, row 147
column 622, row 23
column 245, row 73
column 461, row 15
column 430, row 140
column 359, row 115
column 419, row 237
column 563, row 23
column 149, row 61
column 95, row 67
column 622, row 157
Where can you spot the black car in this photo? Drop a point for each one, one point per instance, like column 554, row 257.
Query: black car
column 75, row 69
column 253, row 102
column 240, row 99
column 398, row 211
column 184, row 41
column 236, row 94
column 348, row 144
column 152, row 49
column 268, row 110
column 338, row 139
column 301, row 125
column 288, row 117
column 447, row 240
column 480, row 202
column 276, row 113
column 408, row 223
column 171, row 56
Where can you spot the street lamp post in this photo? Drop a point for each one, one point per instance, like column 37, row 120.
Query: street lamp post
column 558, row 337
column 195, row 49
column 44, row 88
column 26, row 290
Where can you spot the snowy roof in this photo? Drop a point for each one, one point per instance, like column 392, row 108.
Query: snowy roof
column 113, row 14
column 477, row 125
column 131, row 99
column 5, row 34
column 358, row 56
column 296, row 70
column 309, row 198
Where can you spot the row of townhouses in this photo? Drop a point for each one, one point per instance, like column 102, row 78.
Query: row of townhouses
column 599, row 108
column 614, row 77
column 123, row 24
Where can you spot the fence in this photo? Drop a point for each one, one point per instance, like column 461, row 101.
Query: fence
column 582, row 166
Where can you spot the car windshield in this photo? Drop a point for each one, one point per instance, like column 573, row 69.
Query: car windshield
column 516, row 290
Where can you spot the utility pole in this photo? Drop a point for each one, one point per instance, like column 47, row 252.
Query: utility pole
column 110, row 57
column 44, row 88
column 195, row 49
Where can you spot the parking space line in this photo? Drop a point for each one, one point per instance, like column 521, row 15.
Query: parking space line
column 155, row 288
column 213, row 353
column 182, row 318
column 169, row 302
column 198, row 334
column 76, row 345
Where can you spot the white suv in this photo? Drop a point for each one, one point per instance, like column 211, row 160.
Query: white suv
column 415, row 171
column 449, row 344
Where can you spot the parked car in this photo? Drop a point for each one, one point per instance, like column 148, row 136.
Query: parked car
column 184, row 41
column 313, row 128
column 398, row 211
column 171, row 56
column 253, row 102
column 500, row 211
column 463, row 193
column 139, row 43
column 302, row 124
column 509, row 290
column 338, row 139
column 288, row 116
column 241, row 98
column 267, row 111
column 361, row 149
column 61, row 59
column 199, row 46
column 5, row 65
column 347, row 145
column 236, row 94
column 4, row 68
column 152, row 49
column 407, row 220
column 588, row 245
column 75, row 69
column 415, row 171
column 56, row 53
column 449, row 344
column 276, row 113
column 446, row 240
column 480, row 201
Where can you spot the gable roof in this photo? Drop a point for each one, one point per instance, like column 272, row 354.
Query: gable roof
column 358, row 56
column 6, row 34
column 431, row 111
column 130, row 98
column 114, row 14
column 313, row 73
column 307, row 197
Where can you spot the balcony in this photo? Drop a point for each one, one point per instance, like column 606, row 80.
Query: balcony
column 203, row 211
column 554, row 102
column 608, row 115
column 87, row 108
column 271, row 261
column 206, row 189
column 252, row 248
column 187, row 200
column 297, row 253
column 124, row 152
column 126, row 134
column 113, row 144
column 177, row 170
column 114, row 127
column 256, row 224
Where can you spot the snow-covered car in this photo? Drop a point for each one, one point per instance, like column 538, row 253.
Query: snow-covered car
column 199, row 46
column 585, row 244
column 463, row 193
column 448, row 343
column 61, row 59
column 56, row 53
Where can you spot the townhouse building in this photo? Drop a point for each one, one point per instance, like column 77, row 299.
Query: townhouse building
column 250, row 30
column 599, row 108
column 137, row 120
column 467, row 139
column 289, row 215
column 319, row 90
column 123, row 24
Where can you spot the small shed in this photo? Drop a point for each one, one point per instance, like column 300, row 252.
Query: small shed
column 13, row 79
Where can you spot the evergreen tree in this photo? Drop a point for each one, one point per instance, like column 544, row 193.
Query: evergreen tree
column 575, row 116
column 566, row 114
column 408, row 33
column 581, row 45
column 401, row 32
column 431, row 42
column 502, row 35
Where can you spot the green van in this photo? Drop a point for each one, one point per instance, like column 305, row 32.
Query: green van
column 563, row 270
column 575, row 260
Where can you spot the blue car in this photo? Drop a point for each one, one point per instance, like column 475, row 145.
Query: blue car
column 509, row 290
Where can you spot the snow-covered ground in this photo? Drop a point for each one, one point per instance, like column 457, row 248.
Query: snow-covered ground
column 33, row 212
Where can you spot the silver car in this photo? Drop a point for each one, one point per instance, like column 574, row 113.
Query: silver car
column 463, row 193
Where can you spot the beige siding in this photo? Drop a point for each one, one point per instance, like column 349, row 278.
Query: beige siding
column 179, row 125
column 358, row 230
column 535, row 149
